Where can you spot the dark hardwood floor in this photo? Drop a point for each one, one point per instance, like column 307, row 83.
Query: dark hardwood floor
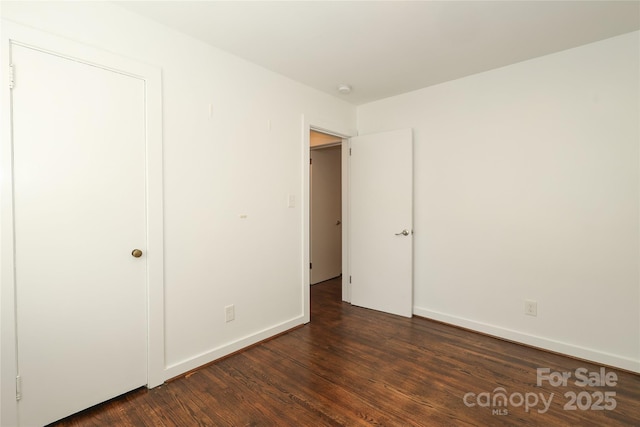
column 353, row 366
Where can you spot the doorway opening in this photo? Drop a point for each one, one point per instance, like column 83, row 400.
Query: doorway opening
column 325, row 207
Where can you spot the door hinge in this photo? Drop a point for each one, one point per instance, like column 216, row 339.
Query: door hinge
column 12, row 78
column 349, row 151
column 349, row 279
column 18, row 387
column 310, row 265
column 310, row 161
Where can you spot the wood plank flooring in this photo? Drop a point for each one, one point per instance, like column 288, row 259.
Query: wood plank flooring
column 353, row 366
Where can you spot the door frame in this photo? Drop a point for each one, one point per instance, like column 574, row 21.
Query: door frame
column 309, row 124
column 19, row 35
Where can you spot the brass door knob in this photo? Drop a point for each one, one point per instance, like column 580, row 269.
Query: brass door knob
column 136, row 253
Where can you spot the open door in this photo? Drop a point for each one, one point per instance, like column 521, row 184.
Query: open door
column 381, row 224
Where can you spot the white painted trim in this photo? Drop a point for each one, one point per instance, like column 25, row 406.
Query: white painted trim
column 16, row 34
column 155, row 230
column 309, row 124
column 589, row 354
column 8, row 362
column 306, row 212
column 227, row 349
column 346, row 214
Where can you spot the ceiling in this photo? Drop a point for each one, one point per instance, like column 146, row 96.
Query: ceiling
column 384, row 48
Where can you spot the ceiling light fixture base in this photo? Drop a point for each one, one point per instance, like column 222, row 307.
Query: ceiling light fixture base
column 344, row 89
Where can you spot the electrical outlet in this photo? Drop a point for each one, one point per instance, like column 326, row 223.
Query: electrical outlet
column 229, row 313
column 531, row 307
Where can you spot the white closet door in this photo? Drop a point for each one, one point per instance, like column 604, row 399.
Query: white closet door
column 79, row 177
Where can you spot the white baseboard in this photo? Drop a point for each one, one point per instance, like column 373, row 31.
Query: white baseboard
column 588, row 354
column 224, row 350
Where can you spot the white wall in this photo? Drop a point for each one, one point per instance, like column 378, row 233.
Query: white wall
column 527, row 187
column 245, row 160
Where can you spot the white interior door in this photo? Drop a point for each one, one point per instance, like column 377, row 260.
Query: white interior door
column 326, row 213
column 79, row 179
column 381, row 224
